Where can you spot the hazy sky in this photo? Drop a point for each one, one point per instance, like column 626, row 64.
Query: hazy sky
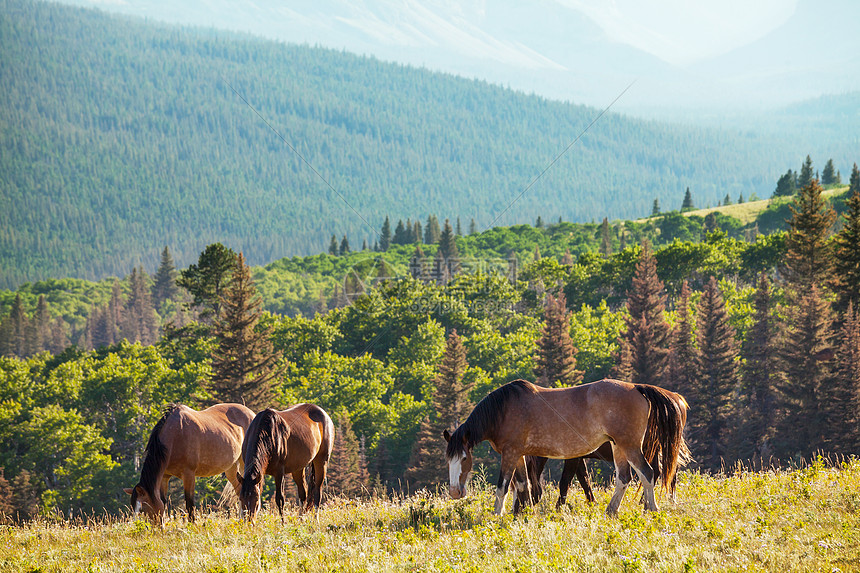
column 683, row 31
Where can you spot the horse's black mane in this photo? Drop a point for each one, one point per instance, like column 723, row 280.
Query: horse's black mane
column 156, row 454
column 486, row 416
column 261, row 442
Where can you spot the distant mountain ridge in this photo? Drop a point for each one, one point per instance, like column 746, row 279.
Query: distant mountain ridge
column 120, row 136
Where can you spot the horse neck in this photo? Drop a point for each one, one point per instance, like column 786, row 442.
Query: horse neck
column 154, row 465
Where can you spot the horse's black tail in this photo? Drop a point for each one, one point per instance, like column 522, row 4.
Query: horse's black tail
column 155, row 454
column 664, row 437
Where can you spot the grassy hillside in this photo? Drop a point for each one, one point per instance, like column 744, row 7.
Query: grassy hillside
column 806, row 519
column 750, row 211
column 120, row 136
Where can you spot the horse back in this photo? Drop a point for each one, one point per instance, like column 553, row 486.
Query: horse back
column 311, row 434
column 207, row 441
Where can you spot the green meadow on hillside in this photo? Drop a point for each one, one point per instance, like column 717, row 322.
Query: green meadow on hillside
column 806, row 519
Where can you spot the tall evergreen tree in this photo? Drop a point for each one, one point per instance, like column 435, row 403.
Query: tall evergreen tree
column 555, row 360
column 854, row 182
column 759, row 379
column 385, row 235
column 844, row 421
column 805, row 373
column 451, row 394
column 605, row 238
column 244, row 363
column 417, row 233
column 42, row 325
column 205, row 281
column 806, row 174
column 539, row 223
column 20, row 325
column 717, row 378
column 727, row 200
column 164, row 282
column 426, row 466
column 399, row 234
column 846, row 252
column 828, row 176
column 786, row 186
column 448, row 250
column 417, row 264
column 432, row 232
column 473, row 227
column 808, row 257
column 647, row 333
column 687, row 203
column 344, row 246
column 683, row 366
column 459, row 229
column 140, row 321
column 347, row 473
column 332, row 246
column 655, row 209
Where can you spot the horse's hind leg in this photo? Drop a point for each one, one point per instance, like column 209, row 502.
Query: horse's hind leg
column 578, row 467
column 299, row 478
column 646, row 475
column 319, row 471
column 622, row 478
column 188, row 480
column 523, row 491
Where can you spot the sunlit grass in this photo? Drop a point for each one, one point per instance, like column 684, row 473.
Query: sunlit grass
column 806, row 519
column 748, row 211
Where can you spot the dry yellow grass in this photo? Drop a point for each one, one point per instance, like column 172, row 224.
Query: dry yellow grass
column 747, row 212
column 776, row 521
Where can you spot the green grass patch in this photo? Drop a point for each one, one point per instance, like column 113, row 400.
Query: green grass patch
column 806, row 519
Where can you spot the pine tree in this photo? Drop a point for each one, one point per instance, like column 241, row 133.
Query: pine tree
column 647, row 333
column 20, row 326
column 804, row 373
column 417, row 233
column 854, row 182
column 759, row 379
column 845, row 405
column 741, row 199
column 451, row 394
column 683, row 367
column 417, row 264
column 332, row 246
column 828, row 176
column 806, row 174
column 717, row 373
column 364, row 244
column 846, row 250
column 473, row 227
column 385, row 236
column 244, row 364
column 786, row 186
column 459, row 230
column 164, row 286
column 399, row 233
column 432, row 231
column 344, row 246
column 727, row 200
column 206, row 280
column 655, row 209
column 448, row 250
column 808, row 257
column 555, row 360
column 141, row 322
column 539, row 223
column 687, row 204
column 42, row 325
column 605, row 239
column 59, row 339
column 426, row 466
column 347, row 472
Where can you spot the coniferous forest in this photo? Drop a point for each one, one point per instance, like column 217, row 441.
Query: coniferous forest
column 121, row 136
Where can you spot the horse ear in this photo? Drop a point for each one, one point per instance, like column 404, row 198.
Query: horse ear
column 140, row 491
column 447, row 435
column 128, row 490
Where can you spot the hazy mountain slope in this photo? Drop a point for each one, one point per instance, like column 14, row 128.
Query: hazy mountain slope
column 119, row 137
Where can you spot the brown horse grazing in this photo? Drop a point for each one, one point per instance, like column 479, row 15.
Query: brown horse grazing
column 521, row 419
column 285, row 442
column 576, row 466
column 186, row 444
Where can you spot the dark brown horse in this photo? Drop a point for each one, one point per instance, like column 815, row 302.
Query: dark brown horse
column 521, row 419
column 281, row 443
column 188, row 444
column 576, row 466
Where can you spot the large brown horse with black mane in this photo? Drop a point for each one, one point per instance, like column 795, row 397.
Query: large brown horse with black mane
column 576, row 466
column 279, row 443
column 188, row 444
column 521, row 419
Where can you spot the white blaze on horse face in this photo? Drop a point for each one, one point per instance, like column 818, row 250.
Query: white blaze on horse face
column 455, row 468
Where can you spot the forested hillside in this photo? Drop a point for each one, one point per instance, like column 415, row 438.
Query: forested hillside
column 119, row 136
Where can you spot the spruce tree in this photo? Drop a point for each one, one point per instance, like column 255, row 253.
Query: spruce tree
column 759, row 379
column 344, row 246
column 808, row 257
column 42, row 325
column 727, row 200
column 655, row 209
column 854, row 182
column 20, row 326
column 806, row 174
column 432, row 231
column 786, row 186
column 244, row 363
column 844, row 421
column 555, row 360
column 605, row 238
column 417, row 264
column 140, row 319
column 332, row 246
column 426, row 467
column 647, row 333
column 164, row 282
column 828, row 176
column 683, row 367
column 205, row 281
column 364, row 244
column 417, row 233
column 846, row 251
column 539, row 223
column 687, row 204
column 717, row 373
column 347, row 473
column 448, row 250
column 473, row 227
column 451, row 394
column 805, row 373
column 399, row 234
column 459, row 229
column 385, row 236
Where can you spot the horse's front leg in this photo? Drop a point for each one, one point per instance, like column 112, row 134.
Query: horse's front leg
column 279, row 494
column 506, row 472
column 188, row 480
